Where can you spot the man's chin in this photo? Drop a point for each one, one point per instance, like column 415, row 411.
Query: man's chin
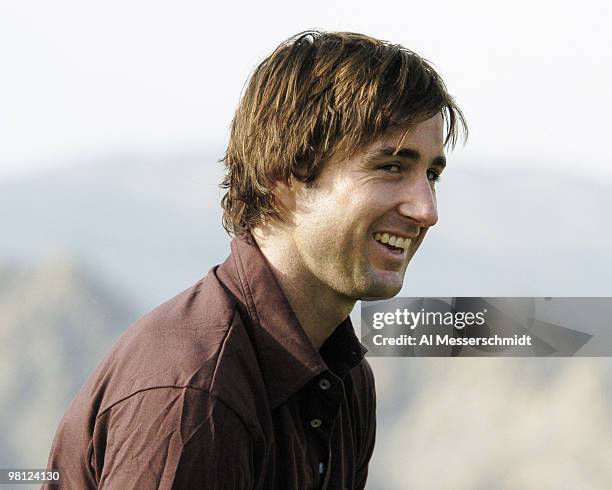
column 381, row 291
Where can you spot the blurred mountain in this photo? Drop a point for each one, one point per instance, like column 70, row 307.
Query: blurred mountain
column 492, row 424
column 151, row 224
column 57, row 319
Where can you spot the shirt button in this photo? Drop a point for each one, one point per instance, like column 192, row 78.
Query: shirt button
column 316, row 423
column 324, row 384
column 321, row 467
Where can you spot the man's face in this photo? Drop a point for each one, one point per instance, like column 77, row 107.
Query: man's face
column 339, row 225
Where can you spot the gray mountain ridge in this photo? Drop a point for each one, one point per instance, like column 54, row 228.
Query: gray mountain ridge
column 57, row 319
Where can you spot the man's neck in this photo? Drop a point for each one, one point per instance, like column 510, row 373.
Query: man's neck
column 317, row 307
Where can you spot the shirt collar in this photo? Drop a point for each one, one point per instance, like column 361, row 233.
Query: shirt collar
column 286, row 355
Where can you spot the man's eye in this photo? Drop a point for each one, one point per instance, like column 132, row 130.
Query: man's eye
column 433, row 176
column 391, row 167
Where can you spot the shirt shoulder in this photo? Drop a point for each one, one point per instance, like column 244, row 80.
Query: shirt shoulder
column 197, row 339
column 188, row 361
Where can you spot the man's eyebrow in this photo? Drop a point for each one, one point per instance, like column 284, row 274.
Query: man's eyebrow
column 408, row 153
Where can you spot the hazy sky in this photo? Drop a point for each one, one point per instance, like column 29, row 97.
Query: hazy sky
column 85, row 78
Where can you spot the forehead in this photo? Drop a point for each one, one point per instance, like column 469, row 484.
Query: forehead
column 426, row 138
column 428, row 135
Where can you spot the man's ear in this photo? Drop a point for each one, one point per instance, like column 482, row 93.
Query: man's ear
column 285, row 196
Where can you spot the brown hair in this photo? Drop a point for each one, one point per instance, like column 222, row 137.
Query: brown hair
column 319, row 94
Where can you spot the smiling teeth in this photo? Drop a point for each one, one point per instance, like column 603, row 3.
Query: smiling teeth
column 393, row 240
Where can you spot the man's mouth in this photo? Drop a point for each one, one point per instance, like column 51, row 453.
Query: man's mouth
column 394, row 243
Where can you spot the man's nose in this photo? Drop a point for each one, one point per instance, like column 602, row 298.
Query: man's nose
column 419, row 202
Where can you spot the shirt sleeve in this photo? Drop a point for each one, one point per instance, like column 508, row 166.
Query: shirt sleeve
column 368, row 439
column 173, row 439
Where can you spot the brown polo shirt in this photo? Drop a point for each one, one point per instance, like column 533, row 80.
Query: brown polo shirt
column 220, row 388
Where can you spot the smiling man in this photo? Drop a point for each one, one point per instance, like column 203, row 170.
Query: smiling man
column 253, row 378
